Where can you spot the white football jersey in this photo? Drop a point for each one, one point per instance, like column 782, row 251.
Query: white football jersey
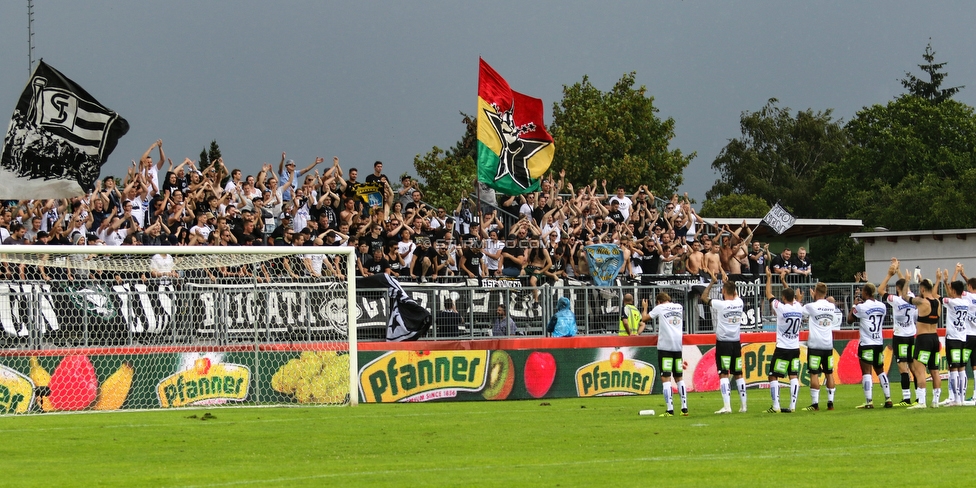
column 727, row 315
column 871, row 316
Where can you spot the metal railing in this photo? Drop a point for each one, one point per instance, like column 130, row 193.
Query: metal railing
column 92, row 313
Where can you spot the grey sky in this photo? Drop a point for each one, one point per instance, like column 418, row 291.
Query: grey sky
column 385, row 81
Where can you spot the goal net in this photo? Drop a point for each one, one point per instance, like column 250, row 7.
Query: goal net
column 140, row 327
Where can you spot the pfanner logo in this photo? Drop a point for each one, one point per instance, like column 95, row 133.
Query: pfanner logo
column 16, row 391
column 615, row 376
column 422, row 375
column 205, row 384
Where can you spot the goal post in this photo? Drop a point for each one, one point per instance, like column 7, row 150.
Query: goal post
column 94, row 327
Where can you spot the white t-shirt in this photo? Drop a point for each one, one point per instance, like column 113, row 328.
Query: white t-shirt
column 957, row 318
column 493, row 246
column 406, row 247
column 625, row 204
column 789, row 317
column 670, row 319
column 820, row 315
column 971, row 297
column 727, row 315
column 904, row 315
column 871, row 316
column 162, row 264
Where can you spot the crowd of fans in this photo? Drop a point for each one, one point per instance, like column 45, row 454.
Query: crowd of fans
column 158, row 202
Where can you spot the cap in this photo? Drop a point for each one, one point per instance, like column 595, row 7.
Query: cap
column 285, row 216
column 290, row 162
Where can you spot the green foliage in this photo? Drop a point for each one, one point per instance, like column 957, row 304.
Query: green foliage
column 837, row 257
column 930, row 90
column 615, row 136
column 911, row 164
column 449, row 175
column 735, row 206
column 779, row 157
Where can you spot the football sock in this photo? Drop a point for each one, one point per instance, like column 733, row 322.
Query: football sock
column 666, row 388
column 774, row 393
column 741, row 385
column 814, row 396
column 906, row 379
column 867, row 385
column 794, row 392
column 936, row 394
column 952, row 386
column 683, row 392
column 726, row 394
column 885, row 385
column 830, row 394
column 920, row 395
column 963, row 385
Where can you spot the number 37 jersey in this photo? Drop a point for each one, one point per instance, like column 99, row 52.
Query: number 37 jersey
column 789, row 317
column 871, row 315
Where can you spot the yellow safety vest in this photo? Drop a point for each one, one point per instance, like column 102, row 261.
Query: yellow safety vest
column 633, row 317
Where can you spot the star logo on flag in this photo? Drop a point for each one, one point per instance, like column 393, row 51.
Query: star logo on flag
column 516, row 151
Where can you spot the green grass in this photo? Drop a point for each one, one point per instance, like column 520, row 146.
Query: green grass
column 570, row 442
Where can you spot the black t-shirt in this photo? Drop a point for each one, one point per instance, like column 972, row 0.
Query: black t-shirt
column 374, row 266
column 616, row 216
column 373, row 242
column 756, row 266
column 472, row 261
column 539, row 212
column 800, row 264
column 513, row 248
column 418, row 255
column 780, row 263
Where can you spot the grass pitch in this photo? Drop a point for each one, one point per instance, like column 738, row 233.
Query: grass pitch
column 568, row 442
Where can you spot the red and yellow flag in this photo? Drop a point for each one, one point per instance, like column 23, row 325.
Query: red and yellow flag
column 514, row 149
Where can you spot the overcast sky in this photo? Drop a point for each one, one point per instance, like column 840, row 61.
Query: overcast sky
column 369, row 81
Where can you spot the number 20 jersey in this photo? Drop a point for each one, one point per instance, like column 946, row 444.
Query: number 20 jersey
column 789, row 316
column 871, row 316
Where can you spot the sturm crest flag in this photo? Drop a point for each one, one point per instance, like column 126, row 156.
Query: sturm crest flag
column 779, row 219
column 514, row 149
column 58, row 139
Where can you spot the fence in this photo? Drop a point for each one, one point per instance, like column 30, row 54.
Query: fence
column 37, row 315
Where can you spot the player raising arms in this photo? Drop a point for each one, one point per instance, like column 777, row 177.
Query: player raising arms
column 820, row 345
column 870, row 315
column 786, row 357
column 904, row 315
column 970, row 296
column 927, row 341
column 956, row 323
column 727, row 313
column 670, row 319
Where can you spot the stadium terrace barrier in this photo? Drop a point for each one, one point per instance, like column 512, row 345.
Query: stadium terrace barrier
column 89, row 313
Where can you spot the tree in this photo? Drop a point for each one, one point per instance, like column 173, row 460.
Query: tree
column 207, row 158
column 779, row 157
column 615, row 136
column 734, row 206
column 930, row 90
column 911, row 165
column 449, row 175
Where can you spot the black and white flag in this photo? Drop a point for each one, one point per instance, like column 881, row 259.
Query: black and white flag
column 779, row 219
column 408, row 320
column 58, row 139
